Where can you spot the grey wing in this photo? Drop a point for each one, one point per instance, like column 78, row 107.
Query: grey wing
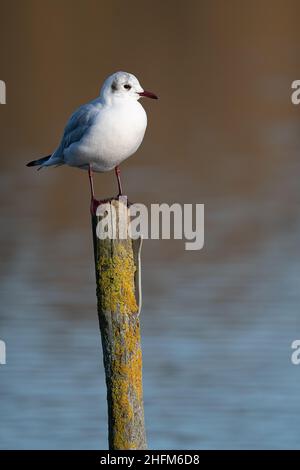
column 76, row 127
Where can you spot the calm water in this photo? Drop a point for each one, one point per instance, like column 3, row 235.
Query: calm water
column 217, row 327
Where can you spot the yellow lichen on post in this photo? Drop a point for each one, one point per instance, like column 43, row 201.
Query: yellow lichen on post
column 116, row 283
column 118, row 310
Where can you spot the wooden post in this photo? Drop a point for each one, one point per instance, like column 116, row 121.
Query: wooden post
column 117, row 263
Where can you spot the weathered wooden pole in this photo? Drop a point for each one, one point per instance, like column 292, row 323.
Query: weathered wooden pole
column 117, row 262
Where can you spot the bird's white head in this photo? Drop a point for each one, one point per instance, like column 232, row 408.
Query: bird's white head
column 123, row 86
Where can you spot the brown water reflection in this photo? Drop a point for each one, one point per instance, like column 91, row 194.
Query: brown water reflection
column 217, row 324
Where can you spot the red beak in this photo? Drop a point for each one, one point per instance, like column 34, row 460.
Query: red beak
column 149, row 94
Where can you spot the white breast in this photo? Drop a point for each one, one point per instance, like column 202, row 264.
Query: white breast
column 117, row 132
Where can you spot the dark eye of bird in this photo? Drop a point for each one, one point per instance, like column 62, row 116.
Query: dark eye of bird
column 127, row 87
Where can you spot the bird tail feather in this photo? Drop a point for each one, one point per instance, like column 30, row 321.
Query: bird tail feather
column 39, row 162
column 49, row 160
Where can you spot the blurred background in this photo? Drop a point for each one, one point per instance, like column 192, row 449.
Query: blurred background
column 217, row 324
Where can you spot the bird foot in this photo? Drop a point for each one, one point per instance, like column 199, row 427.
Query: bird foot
column 97, row 202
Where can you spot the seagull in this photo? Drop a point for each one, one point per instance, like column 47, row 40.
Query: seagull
column 104, row 132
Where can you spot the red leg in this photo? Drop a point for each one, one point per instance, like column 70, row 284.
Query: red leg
column 118, row 173
column 94, row 202
column 91, row 182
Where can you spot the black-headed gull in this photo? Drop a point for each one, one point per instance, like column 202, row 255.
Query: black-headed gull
column 104, row 132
